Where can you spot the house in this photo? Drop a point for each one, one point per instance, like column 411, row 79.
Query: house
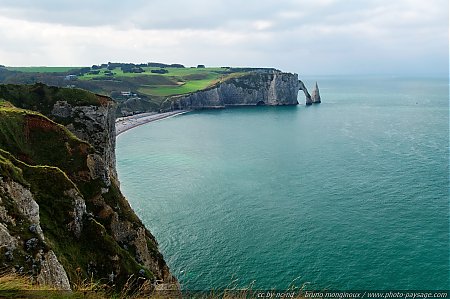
column 125, row 93
column 70, row 77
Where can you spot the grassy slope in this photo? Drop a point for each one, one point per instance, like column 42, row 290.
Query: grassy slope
column 49, row 169
column 48, row 185
column 26, row 135
column 153, row 88
column 176, row 81
column 40, row 97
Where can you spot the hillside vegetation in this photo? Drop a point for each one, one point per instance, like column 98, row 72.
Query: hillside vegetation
column 136, row 87
column 53, row 202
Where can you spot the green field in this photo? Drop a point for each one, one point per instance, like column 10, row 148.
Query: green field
column 177, row 72
column 184, row 83
column 152, row 89
column 42, row 69
column 177, row 81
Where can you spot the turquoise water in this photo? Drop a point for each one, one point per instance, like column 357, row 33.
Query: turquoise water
column 349, row 194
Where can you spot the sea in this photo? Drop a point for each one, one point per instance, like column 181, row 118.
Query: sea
column 349, row 194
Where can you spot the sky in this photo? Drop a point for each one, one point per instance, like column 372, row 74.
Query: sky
column 303, row 36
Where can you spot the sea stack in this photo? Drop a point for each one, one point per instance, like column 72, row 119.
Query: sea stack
column 315, row 95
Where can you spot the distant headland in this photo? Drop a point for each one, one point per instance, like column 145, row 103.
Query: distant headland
column 159, row 87
column 63, row 216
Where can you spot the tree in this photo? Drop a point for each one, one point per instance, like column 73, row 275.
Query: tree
column 161, row 71
column 177, row 65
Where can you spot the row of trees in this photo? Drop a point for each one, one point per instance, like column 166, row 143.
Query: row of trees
column 130, row 68
column 113, row 65
column 163, row 65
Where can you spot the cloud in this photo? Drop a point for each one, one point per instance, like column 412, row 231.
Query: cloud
column 322, row 36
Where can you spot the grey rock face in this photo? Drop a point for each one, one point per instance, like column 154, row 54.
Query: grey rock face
column 316, row 94
column 6, row 239
column 144, row 255
column 24, row 200
column 98, row 169
column 79, row 210
column 4, row 216
column 52, row 273
column 25, row 203
column 96, row 125
column 257, row 88
column 305, row 91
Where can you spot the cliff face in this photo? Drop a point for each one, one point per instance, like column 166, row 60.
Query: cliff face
column 44, row 266
column 62, row 215
column 251, row 89
column 96, row 125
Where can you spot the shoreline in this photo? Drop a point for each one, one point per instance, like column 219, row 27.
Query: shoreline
column 124, row 124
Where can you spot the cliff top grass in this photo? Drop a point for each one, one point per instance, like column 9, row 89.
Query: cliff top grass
column 40, row 97
column 149, row 81
column 37, row 140
column 153, row 83
column 174, row 81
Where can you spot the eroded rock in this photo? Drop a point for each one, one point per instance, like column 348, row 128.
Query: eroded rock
column 257, row 88
column 52, row 273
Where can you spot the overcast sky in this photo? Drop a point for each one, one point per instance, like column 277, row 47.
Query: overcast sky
column 303, row 36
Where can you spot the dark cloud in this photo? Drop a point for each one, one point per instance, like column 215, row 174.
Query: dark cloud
column 182, row 14
column 331, row 35
column 167, row 14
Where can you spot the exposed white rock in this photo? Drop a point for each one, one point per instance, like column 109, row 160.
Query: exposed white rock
column 4, row 217
column 121, row 230
column 25, row 203
column 96, row 125
column 144, row 257
column 98, row 169
column 272, row 96
column 257, row 88
column 79, row 209
column 52, row 273
column 315, row 94
column 305, row 91
column 6, row 240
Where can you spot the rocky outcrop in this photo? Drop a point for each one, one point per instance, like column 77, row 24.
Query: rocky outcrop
column 269, row 87
column 77, row 213
column 135, row 105
column 25, row 203
column 302, row 87
column 96, row 125
column 62, row 214
column 52, row 272
column 7, row 241
column 316, row 95
column 45, row 265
